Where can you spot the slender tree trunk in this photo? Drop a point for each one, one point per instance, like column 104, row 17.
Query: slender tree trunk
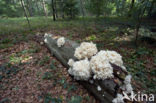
column 38, row 10
column 53, row 8
column 131, row 7
column 44, row 8
column 151, row 7
column 24, row 9
column 82, row 9
column 62, row 9
column 123, row 6
column 29, row 7
column 140, row 17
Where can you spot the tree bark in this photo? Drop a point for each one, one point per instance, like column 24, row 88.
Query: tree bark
column 62, row 9
column 53, row 9
column 82, row 8
column 44, row 8
column 131, row 7
column 110, row 87
column 139, row 20
column 151, row 7
column 24, row 9
column 38, row 10
column 29, row 7
column 55, row 6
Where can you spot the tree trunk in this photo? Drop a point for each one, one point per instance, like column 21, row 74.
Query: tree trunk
column 24, row 9
column 62, row 9
column 53, row 8
column 38, row 10
column 29, row 7
column 139, row 20
column 151, row 7
column 131, row 7
column 44, row 8
column 110, row 87
column 82, row 9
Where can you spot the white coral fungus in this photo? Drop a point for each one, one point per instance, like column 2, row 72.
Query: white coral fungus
column 99, row 88
column 71, row 62
column 118, row 99
column 127, row 87
column 127, row 79
column 85, row 50
column 47, row 35
column 113, row 57
column 45, row 40
column 81, row 70
column 60, row 41
column 91, row 81
column 100, row 66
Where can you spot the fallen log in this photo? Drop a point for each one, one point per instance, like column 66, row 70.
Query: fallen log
column 109, row 87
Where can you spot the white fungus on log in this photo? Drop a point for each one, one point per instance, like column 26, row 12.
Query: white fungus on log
column 99, row 88
column 118, row 99
column 101, row 67
column 85, row 50
column 127, row 87
column 113, row 57
column 45, row 36
column 91, row 81
column 81, row 70
column 127, row 79
column 60, row 41
column 70, row 62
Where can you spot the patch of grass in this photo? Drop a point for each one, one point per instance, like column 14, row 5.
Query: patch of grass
column 15, row 60
column 28, row 51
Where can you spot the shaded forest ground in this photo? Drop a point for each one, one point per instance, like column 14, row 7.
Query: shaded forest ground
column 29, row 73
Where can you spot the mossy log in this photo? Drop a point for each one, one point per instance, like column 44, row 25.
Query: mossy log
column 109, row 86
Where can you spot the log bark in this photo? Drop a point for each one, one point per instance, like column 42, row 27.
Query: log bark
column 110, row 87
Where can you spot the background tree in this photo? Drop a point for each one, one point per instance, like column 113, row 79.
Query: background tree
column 71, row 8
column 24, row 9
column 53, row 9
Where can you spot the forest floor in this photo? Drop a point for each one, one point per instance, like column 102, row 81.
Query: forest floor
column 28, row 73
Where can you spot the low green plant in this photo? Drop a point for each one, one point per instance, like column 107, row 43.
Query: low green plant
column 75, row 99
column 52, row 65
column 44, row 60
column 47, row 75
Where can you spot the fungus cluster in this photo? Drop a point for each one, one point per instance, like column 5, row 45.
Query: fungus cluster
column 97, row 63
column 80, row 70
column 60, row 41
column 127, row 88
column 118, row 99
column 85, row 50
column 91, row 62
